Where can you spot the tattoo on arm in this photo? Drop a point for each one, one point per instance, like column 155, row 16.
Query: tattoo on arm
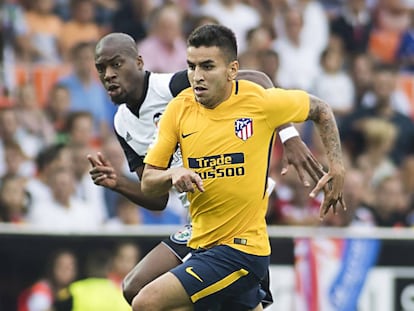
column 321, row 114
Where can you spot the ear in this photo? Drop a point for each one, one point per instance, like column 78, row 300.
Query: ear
column 140, row 62
column 232, row 70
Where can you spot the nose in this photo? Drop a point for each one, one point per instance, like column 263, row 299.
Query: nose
column 198, row 74
column 109, row 74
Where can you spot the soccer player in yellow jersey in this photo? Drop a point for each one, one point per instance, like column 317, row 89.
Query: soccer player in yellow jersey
column 225, row 129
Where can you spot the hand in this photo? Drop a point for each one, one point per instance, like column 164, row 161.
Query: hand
column 102, row 172
column 332, row 185
column 296, row 153
column 184, row 179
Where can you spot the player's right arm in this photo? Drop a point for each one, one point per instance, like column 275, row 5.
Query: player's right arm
column 104, row 174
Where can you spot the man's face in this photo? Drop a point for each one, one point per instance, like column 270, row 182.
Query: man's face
column 118, row 72
column 210, row 75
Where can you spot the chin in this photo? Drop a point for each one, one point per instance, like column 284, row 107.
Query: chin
column 117, row 100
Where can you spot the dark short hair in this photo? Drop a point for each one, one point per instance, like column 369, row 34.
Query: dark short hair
column 48, row 154
column 74, row 116
column 215, row 35
column 79, row 47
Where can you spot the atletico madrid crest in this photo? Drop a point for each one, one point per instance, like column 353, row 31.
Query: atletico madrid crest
column 243, row 128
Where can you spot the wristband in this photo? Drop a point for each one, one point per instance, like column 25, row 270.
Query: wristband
column 287, row 133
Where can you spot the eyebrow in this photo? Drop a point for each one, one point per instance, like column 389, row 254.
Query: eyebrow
column 206, row 62
column 109, row 60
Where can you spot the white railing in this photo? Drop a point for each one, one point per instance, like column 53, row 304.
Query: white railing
column 274, row 231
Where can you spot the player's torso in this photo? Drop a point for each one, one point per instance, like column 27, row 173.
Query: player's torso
column 138, row 128
column 229, row 147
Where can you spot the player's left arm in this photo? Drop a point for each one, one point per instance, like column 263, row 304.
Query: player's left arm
column 295, row 151
column 321, row 114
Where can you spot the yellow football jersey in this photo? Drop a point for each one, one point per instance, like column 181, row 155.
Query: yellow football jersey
column 229, row 147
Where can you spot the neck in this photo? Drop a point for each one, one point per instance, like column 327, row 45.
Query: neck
column 133, row 100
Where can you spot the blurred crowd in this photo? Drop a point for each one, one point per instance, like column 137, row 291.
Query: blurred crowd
column 73, row 281
column 357, row 55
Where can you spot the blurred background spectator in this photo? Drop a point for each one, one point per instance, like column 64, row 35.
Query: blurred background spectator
column 85, row 91
column 45, row 33
column 126, row 255
column 95, row 290
column 61, row 269
column 64, row 212
column 164, row 48
column 13, row 200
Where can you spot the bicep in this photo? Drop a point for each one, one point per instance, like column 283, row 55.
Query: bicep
column 317, row 108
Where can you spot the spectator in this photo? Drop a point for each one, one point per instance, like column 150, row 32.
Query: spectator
column 392, row 203
column 405, row 50
column 16, row 162
column 383, row 107
column 361, row 71
column 13, row 42
column 85, row 190
column 195, row 21
column 353, row 25
column 334, row 85
column 132, row 17
column 64, row 212
column 57, row 109
column 315, row 31
column 11, row 130
column 50, row 158
column 269, row 64
column 81, row 27
column 258, row 39
column 392, row 19
column 79, row 129
column 13, row 200
column 61, row 270
column 379, row 139
column 164, row 48
column 95, row 291
column 31, row 116
column 295, row 56
column 125, row 257
column 82, row 84
column 387, row 75
column 226, row 10
column 45, row 32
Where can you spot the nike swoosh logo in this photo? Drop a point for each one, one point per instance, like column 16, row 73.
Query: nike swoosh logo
column 190, row 271
column 186, row 135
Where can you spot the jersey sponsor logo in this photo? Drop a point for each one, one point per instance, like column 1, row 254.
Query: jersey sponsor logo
column 218, row 166
column 182, row 236
column 243, row 128
column 190, row 271
column 216, row 160
column 186, row 135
